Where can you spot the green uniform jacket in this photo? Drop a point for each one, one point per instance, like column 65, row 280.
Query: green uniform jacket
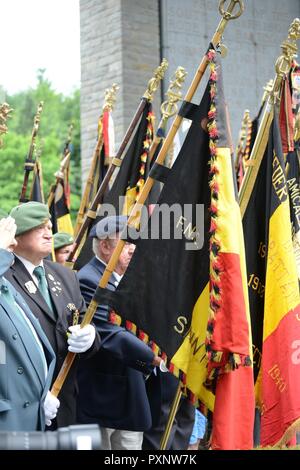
column 23, row 385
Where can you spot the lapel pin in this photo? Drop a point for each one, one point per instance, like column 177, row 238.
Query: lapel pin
column 31, row 287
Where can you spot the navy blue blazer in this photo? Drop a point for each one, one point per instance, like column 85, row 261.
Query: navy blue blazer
column 112, row 384
column 23, row 385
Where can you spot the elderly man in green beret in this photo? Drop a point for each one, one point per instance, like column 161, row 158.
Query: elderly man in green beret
column 63, row 245
column 53, row 295
column 26, row 357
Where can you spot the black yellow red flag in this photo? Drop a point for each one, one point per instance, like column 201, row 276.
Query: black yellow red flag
column 37, row 193
column 59, row 210
column 274, row 296
column 129, row 180
column 185, row 291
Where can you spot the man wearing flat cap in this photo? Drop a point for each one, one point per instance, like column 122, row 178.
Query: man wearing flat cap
column 63, row 245
column 53, row 295
column 112, row 385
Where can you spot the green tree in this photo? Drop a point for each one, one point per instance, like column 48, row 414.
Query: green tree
column 58, row 112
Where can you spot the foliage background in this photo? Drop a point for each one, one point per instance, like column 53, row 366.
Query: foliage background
column 58, row 113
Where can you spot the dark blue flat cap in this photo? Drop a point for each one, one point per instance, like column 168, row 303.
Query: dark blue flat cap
column 108, row 226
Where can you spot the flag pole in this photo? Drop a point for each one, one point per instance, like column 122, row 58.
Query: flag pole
column 226, row 16
column 168, row 108
column 30, row 162
column 171, row 417
column 282, row 68
column 135, row 213
column 117, row 160
column 109, row 102
column 59, row 177
column 5, row 109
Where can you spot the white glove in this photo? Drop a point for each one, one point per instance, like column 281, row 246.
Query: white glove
column 81, row 339
column 163, row 367
column 51, row 405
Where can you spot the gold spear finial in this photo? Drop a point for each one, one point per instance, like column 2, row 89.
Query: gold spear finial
column 284, row 61
column 63, row 165
column 70, row 132
column 66, row 150
column 153, row 83
column 36, row 125
column 110, row 97
column 169, row 107
column 267, row 90
column 5, row 110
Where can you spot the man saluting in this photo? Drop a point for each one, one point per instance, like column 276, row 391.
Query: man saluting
column 52, row 293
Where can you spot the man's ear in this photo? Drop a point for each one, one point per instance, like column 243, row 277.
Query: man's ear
column 104, row 246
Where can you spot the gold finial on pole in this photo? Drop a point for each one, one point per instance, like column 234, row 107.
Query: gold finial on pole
column 62, row 167
column 5, row 110
column 36, row 125
column 267, row 90
column 70, row 133
column 154, row 81
column 110, row 97
column 284, row 62
column 227, row 15
column 29, row 162
column 169, row 107
column 68, row 141
column 282, row 68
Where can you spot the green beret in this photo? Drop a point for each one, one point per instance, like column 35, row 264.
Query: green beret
column 62, row 239
column 30, row 215
column 3, row 214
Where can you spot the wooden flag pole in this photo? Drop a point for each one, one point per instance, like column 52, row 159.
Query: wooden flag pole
column 109, row 102
column 171, row 417
column 117, row 160
column 59, row 177
column 282, row 67
column 135, row 213
column 168, row 108
column 30, row 162
column 5, row 110
column 226, row 16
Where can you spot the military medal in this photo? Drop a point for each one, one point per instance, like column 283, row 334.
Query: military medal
column 31, row 287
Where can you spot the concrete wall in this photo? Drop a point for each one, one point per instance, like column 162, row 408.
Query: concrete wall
column 120, row 42
column 253, row 42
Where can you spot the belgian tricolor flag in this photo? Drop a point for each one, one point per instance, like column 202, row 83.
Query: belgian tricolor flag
column 185, row 291
column 129, row 180
column 132, row 174
column 274, row 296
column 59, row 207
column 36, row 192
column 293, row 182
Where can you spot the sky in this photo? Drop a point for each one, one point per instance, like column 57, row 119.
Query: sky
column 39, row 34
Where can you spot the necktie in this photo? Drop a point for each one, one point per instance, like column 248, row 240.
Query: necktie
column 43, row 286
